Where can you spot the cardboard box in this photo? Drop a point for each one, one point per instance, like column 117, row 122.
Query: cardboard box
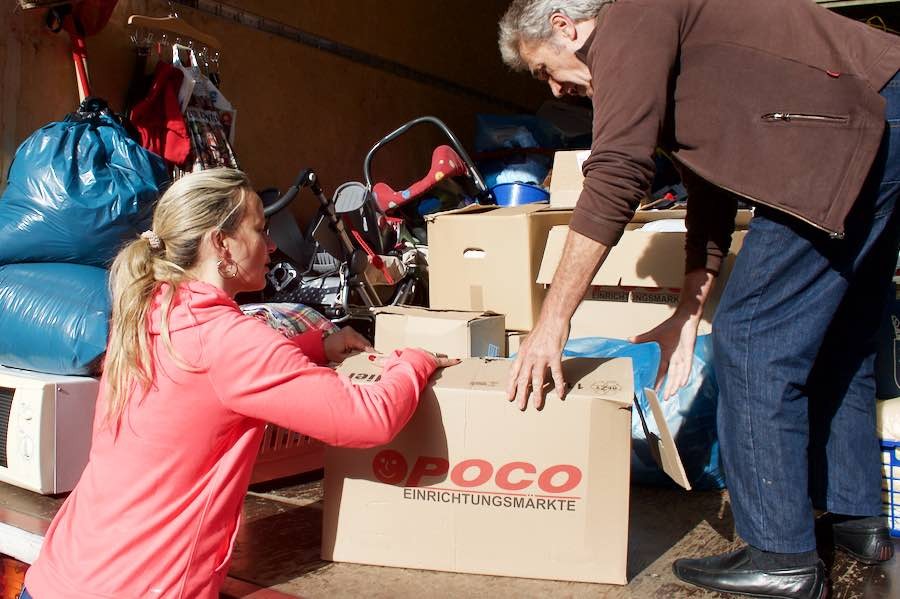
column 487, row 258
column 638, row 285
column 474, row 485
column 566, row 179
column 514, row 340
column 454, row 333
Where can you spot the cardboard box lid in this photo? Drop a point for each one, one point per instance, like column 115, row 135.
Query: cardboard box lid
column 496, row 211
column 741, row 219
column 640, row 259
column 436, row 313
column 566, row 173
column 471, row 208
column 607, row 379
column 588, row 378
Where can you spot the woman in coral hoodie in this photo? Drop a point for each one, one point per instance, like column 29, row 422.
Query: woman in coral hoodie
column 188, row 385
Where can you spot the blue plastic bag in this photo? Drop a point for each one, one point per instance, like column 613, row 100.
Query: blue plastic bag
column 690, row 414
column 77, row 189
column 53, row 317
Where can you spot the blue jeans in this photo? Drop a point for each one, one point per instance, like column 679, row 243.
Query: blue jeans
column 794, row 340
column 24, row 594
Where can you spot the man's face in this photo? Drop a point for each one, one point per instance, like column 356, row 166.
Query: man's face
column 554, row 61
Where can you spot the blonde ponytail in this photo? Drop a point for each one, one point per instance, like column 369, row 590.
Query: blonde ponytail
column 192, row 206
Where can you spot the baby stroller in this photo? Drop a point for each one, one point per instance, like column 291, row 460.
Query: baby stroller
column 359, row 252
column 334, row 266
column 451, row 182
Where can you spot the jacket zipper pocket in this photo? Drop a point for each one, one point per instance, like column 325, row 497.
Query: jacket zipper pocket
column 831, row 234
column 814, row 118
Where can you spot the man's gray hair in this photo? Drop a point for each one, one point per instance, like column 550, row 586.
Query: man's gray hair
column 529, row 21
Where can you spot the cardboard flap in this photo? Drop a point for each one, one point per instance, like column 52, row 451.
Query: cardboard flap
column 741, row 219
column 640, row 259
column 492, row 211
column 552, row 253
column 644, row 259
column 464, row 210
column 665, row 444
column 436, row 313
column 609, row 379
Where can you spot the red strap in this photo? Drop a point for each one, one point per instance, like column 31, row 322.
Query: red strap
column 374, row 258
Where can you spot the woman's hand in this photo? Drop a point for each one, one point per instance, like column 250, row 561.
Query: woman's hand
column 340, row 345
column 676, row 337
column 442, row 360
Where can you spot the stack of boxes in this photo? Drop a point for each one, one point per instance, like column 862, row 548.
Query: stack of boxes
column 473, row 484
column 504, row 259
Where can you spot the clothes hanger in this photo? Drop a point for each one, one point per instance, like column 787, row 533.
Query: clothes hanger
column 175, row 26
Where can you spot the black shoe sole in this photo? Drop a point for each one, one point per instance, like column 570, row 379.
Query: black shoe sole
column 823, row 594
column 885, row 553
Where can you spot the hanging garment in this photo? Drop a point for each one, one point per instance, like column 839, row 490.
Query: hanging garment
column 209, row 116
column 158, row 117
column 190, row 72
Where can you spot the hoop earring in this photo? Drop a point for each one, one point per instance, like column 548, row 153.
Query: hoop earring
column 227, row 269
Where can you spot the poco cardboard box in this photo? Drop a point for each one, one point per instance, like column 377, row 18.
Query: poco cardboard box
column 451, row 332
column 638, row 285
column 474, row 485
column 487, row 258
column 566, row 178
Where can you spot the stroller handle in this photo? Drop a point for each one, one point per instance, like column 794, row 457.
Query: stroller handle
column 484, row 194
column 306, row 178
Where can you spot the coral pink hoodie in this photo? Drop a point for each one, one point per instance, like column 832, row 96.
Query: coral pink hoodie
column 157, row 509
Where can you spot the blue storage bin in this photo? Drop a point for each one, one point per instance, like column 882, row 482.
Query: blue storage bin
column 890, row 484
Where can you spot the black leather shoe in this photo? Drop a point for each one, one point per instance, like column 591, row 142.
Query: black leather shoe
column 734, row 573
column 866, row 539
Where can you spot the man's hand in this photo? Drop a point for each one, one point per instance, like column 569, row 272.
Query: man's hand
column 676, row 337
column 340, row 345
column 540, row 351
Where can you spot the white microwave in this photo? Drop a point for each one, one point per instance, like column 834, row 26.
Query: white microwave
column 45, row 429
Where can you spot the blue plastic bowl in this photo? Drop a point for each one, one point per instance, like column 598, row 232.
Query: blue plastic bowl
column 516, row 194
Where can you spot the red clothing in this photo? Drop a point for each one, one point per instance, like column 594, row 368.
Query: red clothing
column 158, row 117
column 157, row 509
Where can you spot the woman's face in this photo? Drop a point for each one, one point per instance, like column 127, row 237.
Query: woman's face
column 250, row 248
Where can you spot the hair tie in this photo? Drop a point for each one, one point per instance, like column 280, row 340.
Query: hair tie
column 153, row 239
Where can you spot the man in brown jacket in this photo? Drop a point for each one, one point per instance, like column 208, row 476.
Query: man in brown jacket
column 783, row 104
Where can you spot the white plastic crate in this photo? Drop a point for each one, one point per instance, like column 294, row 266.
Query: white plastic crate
column 286, row 453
